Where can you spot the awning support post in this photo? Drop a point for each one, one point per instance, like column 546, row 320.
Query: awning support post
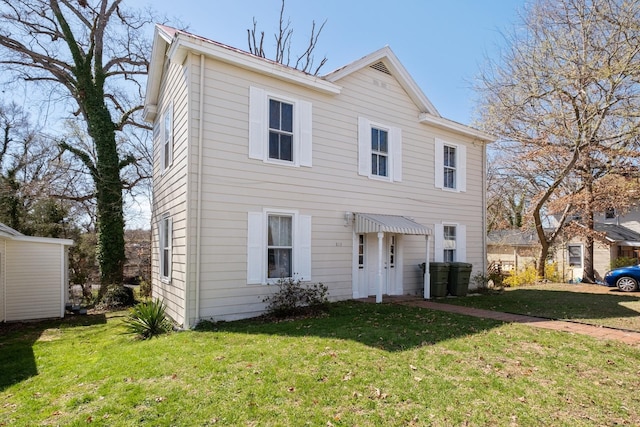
column 427, row 276
column 379, row 293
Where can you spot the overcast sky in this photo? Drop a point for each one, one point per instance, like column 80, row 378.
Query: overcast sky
column 441, row 43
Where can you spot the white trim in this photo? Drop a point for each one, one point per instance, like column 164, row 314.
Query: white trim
column 450, row 125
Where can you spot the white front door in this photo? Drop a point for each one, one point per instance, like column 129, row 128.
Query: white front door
column 368, row 269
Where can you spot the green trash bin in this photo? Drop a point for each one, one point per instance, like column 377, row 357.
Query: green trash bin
column 459, row 276
column 439, row 276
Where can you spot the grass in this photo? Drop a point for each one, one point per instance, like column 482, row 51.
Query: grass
column 362, row 364
column 591, row 304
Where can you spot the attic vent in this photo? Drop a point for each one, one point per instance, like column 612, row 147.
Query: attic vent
column 379, row 66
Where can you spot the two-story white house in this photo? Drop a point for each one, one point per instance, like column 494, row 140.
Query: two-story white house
column 262, row 171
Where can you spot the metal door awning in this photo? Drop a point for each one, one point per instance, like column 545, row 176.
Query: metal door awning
column 394, row 224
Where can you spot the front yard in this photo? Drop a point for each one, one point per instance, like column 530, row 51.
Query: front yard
column 363, row 364
column 591, row 304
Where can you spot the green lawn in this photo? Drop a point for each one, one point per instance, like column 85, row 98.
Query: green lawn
column 362, row 364
column 592, row 304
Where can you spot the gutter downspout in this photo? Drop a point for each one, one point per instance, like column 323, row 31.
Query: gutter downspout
column 484, row 209
column 62, row 280
column 199, row 190
column 3, row 279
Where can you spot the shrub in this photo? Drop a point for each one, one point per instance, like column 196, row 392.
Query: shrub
column 623, row 261
column 144, row 289
column 294, row 298
column 148, row 319
column 528, row 276
column 551, row 272
column 118, row 296
column 480, row 281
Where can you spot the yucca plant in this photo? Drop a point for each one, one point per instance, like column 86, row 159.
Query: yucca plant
column 148, row 319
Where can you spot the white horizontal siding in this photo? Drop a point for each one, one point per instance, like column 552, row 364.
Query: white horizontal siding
column 33, row 293
column 233, row 184
column 170, row 192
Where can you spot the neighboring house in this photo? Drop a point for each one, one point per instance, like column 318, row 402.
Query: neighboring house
column 621, row 239
column 33, row 276
column 262, row 171
column 514, row 249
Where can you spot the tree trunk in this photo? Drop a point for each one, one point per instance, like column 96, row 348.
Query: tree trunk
column 109, row 186
column 588, row 274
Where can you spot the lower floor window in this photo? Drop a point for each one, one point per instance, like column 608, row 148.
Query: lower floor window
column 449, row 243
column 279, row 246
column 575, row 255
column 165, row 232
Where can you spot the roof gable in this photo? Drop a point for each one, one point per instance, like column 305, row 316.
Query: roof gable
column 384, row 60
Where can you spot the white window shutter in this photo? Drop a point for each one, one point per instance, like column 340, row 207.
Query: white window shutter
column 461, row 243
column 306, row 133
column 364, row 146
column 438, row 167
column 258, row 131
column 302, row 258
column 255, row 249
column 438, row 240
column 461, row 168
column 396, row 147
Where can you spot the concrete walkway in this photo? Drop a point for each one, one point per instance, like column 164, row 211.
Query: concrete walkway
column 600, row 332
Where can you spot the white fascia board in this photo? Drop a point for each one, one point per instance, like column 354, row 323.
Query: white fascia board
column 48, row 240
column 160, row 41
column 456, row 127
column 183, row 44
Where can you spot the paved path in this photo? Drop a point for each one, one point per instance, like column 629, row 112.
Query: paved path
column 600, row 332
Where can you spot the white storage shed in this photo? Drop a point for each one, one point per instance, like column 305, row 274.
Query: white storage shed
column 34, row 276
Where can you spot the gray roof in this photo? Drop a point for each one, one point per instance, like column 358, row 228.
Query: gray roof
column 6, row 230
column 618, row 233
column 513, row 238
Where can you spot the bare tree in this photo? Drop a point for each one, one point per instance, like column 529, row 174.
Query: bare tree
column 93, row 52
column 566, row 93
column 283, row 38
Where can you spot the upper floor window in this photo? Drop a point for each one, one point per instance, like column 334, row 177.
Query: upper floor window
column 280, row 129
column 167, row 138
column 379, row 150
column 450, row 166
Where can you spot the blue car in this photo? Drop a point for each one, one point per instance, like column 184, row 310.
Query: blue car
column 625, row 278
